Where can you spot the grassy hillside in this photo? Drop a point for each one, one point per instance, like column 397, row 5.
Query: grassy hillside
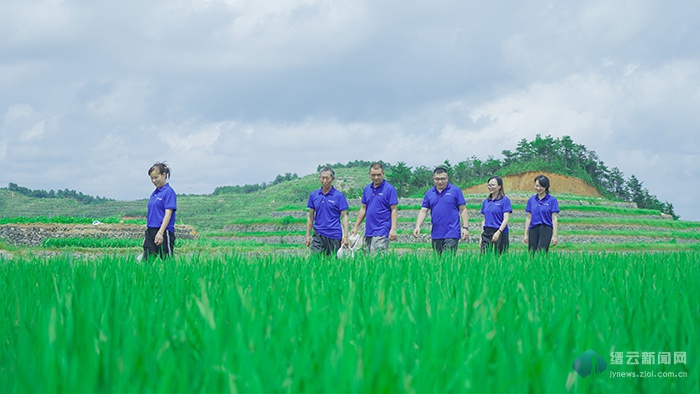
column 274, row 218
column 205, row 212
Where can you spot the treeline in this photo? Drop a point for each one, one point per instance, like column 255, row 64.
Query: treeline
column 247, row 189
column 350, row 164
column 65, row 193
column 564, row 156
column 558, row 155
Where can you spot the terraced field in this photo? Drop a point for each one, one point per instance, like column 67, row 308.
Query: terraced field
column 274, row 219
column 584, row 223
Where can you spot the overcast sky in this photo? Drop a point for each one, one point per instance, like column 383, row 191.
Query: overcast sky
column 233, row 92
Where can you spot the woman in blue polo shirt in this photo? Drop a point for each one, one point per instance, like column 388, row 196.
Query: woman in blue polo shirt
column 541, row 222
column 496, row 209
column 160, row 221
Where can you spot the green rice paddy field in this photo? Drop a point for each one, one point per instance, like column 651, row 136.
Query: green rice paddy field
column 410, row 323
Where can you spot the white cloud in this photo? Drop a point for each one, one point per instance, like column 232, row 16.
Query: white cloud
column 28, row 23
column 18, row 112
column 22, row 123
column 127, row 100
column 238, row 91
column 34, row 133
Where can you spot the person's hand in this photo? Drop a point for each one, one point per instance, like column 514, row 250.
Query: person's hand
column 344, row 241
column 555, row 240
column 159, row 238
column 496, row 235
column 392, row 235
column 416, row 232
column 308, row 241
column 465, row 234
column 525, row 239
column 481, row 240
column 353, row 231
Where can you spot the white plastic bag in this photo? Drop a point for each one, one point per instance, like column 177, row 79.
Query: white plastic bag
column 345, row 252
column 356, row 241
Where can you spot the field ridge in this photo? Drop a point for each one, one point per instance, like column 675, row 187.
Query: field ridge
column 275, row 217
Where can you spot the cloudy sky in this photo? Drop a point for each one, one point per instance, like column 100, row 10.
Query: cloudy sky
column 237, row 91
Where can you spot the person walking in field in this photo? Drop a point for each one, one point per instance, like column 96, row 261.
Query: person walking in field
column 160, row 220
column 541, row 222
column 380, row 208
column 496, row 209
column 328, row 216
column 447, row 206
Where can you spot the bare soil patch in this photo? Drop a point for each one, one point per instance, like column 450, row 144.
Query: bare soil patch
column 559, row 184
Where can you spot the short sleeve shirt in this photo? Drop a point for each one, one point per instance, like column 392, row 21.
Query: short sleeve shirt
column 444, row 211
column 161, row 199
column 542, row 210
column 494, row 210
column 379, row 201
column 327, row 209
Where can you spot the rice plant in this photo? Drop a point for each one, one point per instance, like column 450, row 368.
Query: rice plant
column 395, row 323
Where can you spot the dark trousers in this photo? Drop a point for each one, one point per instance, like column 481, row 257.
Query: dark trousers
column 449, row 244
column 499, row 246
column 150, row 249
column 325, row 245
column 539, row 238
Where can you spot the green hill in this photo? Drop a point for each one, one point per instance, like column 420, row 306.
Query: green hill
column 274, row 218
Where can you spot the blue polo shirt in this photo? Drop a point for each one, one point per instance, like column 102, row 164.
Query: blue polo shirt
column 444, row 211
column 161, row 199
column 379, row 201
column 542, row 210
column 328, row 208
column 493, row 211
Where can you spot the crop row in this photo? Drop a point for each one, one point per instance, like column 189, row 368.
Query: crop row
column 68, row 220
column 410, row 323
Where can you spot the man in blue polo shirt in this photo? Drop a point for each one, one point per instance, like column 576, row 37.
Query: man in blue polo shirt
column 380, row 207
column 446, row 205
column 327, row 207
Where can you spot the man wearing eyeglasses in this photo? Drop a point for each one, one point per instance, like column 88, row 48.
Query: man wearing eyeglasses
column 447, row 206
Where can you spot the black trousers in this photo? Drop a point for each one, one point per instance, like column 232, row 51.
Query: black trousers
column 325, row 245
column 449, row 244
column 499, row 246
column 150, row 249
column 539, row 238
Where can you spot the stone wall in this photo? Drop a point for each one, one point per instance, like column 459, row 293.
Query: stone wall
column 35, row 234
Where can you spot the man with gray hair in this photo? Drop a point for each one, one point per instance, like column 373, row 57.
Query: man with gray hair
column 328, row 216
column 380, row 207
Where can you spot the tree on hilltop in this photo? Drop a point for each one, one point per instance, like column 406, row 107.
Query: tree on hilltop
column 558, row 155
column 71, row 194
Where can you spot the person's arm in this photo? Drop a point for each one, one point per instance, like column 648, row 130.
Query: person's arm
column 163, row 226
column 309, row 225
column 419, row 221
column 360, row 217
column 344, row 224
column 528, row 219
column 497, row 234
column 483, row 223
column 394, row 223
column 555, row 225
column 464, row 214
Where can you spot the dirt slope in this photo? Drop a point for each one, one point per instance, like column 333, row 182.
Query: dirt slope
column 524, row 183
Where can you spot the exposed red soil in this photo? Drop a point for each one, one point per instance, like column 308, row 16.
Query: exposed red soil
column 524, row 183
